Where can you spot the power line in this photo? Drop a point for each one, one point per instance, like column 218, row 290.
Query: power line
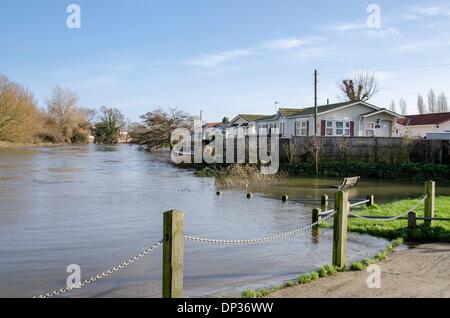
column 297, row 88
column 399, row 90
column 381, row 88
column 392, row 68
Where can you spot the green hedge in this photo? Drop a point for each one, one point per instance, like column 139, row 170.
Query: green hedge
column 412, row 171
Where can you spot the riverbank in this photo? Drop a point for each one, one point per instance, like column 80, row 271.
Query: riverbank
column 345, row 168
column 13, row 145
column 420, row 271
column 310, row 285
column 370, row 170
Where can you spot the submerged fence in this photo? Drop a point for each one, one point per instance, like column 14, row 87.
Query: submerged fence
column 174, row 237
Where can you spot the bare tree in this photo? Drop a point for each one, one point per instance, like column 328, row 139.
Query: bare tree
column 7, row 110
column 441, row 104
column 403, row 107
column 362, row 87
column 89, row 114
column 432, row 103
column 392, row 107
column 20, row 121
column 61, row 106
column 421, row 105
column 158, row 127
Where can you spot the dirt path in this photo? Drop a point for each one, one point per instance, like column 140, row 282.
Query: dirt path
column 422, row 271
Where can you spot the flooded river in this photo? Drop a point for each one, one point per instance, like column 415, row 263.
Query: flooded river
column 96, row 206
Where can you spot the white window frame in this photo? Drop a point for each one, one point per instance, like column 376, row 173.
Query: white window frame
column 369, row 129
column 332, row 126
column 282, row 127
column 301, row 128
column 262, row 129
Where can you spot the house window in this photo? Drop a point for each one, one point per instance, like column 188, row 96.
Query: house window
column 337, row 128
column 370, row 130
column 282, row 125
column 347, row 129
column 272, row 128
column 304, row 128
column 262, row 128
column 329, row 131
column 301, row 128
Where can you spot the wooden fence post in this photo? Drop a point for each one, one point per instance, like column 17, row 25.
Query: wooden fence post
column 173, row 246
column 342, row 207
column 324, row 202
column 371, row 199
column 316, row 217
column 429, row 202
column 412, row 220
column 315, row 229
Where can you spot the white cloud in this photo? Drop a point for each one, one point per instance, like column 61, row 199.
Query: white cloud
column 432, row 11
column 345, row 26
column 355, row 30
column 410, row 17
column 209, row 60
column 282, row 44
column 289, row 43
column 418, row 46
column 311, row 52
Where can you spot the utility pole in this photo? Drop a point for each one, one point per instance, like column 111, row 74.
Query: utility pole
column 315, row 124
column 315, row 103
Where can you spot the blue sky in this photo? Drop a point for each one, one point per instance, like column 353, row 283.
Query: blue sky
column 223, row 56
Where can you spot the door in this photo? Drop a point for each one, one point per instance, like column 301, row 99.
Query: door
column 385, row 129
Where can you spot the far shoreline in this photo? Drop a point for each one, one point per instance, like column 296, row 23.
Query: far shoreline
column 16, row 145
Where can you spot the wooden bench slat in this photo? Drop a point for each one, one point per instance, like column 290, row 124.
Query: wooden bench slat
column 348, row 182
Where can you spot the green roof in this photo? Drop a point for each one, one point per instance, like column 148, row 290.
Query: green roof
column 289, row 112
column 255, row 117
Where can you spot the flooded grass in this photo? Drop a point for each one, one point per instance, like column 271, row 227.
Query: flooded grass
column 439, row 232
column 237, row 175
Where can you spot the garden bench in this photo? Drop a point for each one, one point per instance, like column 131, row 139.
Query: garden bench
column 348, row 182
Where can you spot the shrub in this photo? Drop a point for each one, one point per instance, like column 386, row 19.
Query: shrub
column 371, row 170
column 250, row 293
column 289, row 284
column 327, row 270
column 308, row 278
column 357, row 266
column 49, row 137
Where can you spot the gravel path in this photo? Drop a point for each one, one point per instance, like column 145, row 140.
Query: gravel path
column 421, row 271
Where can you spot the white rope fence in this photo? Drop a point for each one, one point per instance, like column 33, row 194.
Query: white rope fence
column 375, row 218
column 188, row 238
column 262, row 239
column 104, row 274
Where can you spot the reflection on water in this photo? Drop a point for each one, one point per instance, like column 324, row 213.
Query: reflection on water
column 313, row 188
column 95, row 206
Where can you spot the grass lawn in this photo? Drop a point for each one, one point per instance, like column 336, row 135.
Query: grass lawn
column 439, row 232
column 397, row 231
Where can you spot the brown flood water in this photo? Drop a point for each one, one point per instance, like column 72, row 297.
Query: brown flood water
column 96, row 206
